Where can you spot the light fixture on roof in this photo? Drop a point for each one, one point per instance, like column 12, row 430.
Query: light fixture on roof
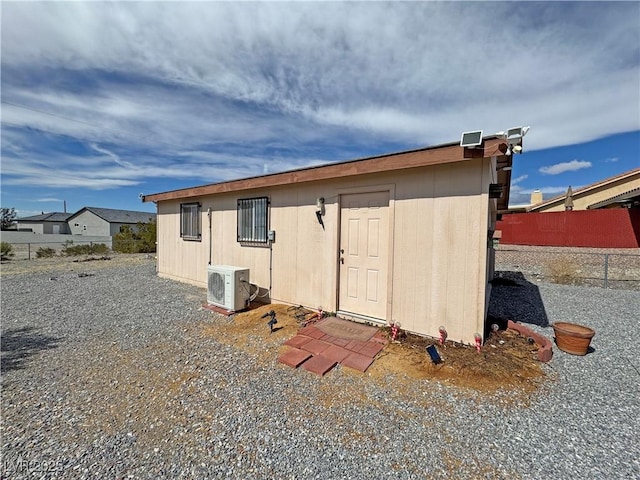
column 515, row 134
column 514, row 138
column 471, row 139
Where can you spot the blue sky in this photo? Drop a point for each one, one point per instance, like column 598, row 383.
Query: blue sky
column 104, row 101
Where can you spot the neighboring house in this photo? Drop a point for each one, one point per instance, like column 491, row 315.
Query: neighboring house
column 105, row 221
column 619, row 191
column 88, row 221
column 54, row 223
column 402, row 237
column 605, row 214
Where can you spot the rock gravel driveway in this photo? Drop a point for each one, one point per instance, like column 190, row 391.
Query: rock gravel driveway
column 106, row 374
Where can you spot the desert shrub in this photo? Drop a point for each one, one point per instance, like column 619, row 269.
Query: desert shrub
column 6, row 251
column 71, row 250
column 99, row 248
column 47, row 252
column 563, row 271
column 142, row 239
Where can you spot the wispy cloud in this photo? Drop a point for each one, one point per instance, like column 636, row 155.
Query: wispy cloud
column 210, row 91
column 563, row 167
column 112, row 155
column 321, row 63
column 48, row 200
column 611, row 160
column 106, row 170
column 515, row 181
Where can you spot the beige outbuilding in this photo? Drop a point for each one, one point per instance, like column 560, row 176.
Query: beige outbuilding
column 404, row 237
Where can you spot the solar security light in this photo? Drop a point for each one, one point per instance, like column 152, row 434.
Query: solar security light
column 471, row 139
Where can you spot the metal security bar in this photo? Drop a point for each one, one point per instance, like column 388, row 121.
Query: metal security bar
column 190, row 221
column 253, row 219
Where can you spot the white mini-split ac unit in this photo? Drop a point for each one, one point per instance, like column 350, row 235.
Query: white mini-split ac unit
column 228, row 287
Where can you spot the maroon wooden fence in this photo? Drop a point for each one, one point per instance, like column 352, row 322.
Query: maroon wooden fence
column 608, row 228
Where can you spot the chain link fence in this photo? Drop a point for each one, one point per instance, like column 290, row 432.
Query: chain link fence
column 574, row 266
column 32, row 250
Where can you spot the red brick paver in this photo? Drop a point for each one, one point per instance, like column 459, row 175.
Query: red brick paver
column 298, row 341
column 318, row 352
column 315, row 346
column 334, row 352
column 341, row 342
column 355, row 345
column 311, row 331
column 371, row 349
column 357, row 361
column 319, row 365
column 294, row 357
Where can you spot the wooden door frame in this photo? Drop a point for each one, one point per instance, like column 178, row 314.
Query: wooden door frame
column 389, row 188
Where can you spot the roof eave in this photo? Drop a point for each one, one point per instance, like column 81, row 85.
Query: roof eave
column 435, row 155
column 619, row 198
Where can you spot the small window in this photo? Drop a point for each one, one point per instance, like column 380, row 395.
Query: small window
column 190, row 221
column 252, row 220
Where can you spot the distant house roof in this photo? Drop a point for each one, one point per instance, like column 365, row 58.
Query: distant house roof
column 629, row 195
column 583, row 190
column 117, row 216
column 46, row 217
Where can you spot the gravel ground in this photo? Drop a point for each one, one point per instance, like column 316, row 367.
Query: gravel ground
column 106, row 374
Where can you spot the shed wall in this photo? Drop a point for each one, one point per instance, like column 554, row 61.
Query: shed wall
column 439, row 216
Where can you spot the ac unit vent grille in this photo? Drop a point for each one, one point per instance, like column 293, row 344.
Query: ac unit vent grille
column 228, row 287
column 216, row 287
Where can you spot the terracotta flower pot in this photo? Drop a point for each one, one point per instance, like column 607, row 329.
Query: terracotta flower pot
column 573, row 338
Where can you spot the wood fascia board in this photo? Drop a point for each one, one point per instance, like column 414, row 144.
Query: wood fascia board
column 397, row 161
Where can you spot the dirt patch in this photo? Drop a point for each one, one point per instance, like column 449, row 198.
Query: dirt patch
column 507, row 360
column 250, row 332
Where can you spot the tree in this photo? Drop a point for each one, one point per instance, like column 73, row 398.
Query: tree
column 142, row 239
column 7, row 217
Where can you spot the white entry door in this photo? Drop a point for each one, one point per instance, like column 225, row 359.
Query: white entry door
column 364, row 253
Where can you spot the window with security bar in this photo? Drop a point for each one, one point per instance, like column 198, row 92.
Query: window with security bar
column 190, row 221
column 253, row 215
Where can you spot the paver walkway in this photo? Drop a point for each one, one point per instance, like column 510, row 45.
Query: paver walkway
column 320, row 347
